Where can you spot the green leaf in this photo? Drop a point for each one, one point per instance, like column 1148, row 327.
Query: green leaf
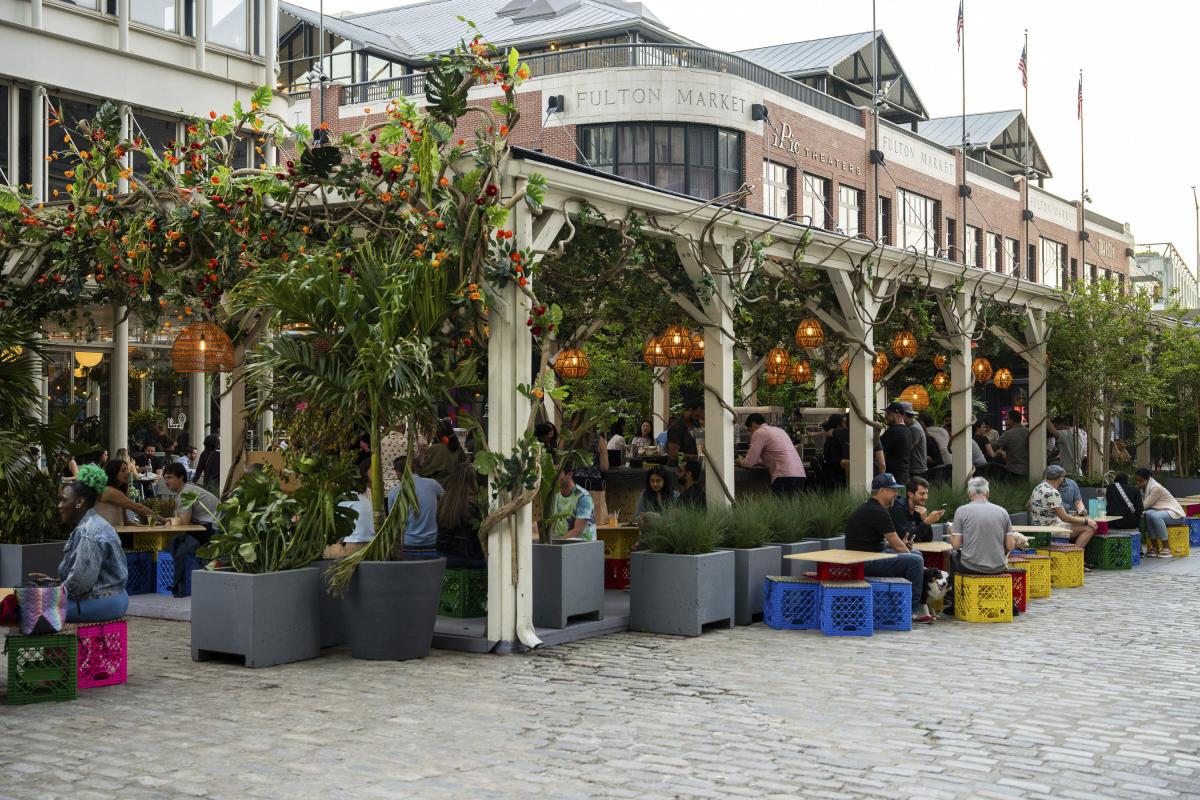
column 246, row 551
column 485, row 462
column 9, row 201
column 262, row 96
column 514, row 61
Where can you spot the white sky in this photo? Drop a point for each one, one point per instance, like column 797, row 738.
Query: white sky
column 1141, row 159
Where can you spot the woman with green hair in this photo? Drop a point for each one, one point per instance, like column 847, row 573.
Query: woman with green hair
column 93, row 569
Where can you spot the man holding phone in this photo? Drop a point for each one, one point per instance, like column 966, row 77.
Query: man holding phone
column 913, row 520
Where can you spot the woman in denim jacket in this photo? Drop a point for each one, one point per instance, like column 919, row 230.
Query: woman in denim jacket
column 93, row 569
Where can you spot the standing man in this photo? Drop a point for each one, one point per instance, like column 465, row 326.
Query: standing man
column 1046, row 507
column 918, row 457
column 870, row 528
column 938, row 435
column 202, row 511
column 1070, row 447
column 773, row 447
column 1014, row 444
column 896, row 443
column 909, row 513
column 680, row 438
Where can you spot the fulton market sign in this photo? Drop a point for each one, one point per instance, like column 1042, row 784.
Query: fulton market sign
column 632, row 96
column 682, row 98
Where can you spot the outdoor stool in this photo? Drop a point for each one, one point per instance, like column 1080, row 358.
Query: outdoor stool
column 934, row 560
column 891, row 603
column 1135, row 544
column 464, row 593
column 1066, row 566
column 143, row 577
column 1037, row 574
column 616, row 572
column 1020, row 592
column 1193, row 531
column 42, row 668
column 847, row 608
column 1110, row 551
column 103, row 653
column 983, row 598
column 165, row 573
column 1177, row 539
column 791, row 603
column 618, row 543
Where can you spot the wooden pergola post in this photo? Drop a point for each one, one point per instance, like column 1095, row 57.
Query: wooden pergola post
column 959, row 315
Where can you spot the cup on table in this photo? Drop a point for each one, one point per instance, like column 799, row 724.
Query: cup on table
column 614, row 518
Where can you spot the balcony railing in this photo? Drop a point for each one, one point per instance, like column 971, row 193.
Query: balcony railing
column 990, row 173
column 612, row 56
column 1103, row 221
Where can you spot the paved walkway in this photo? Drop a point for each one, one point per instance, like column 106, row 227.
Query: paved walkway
column 1092, row 694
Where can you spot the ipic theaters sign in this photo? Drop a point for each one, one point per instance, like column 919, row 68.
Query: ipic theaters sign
column 784, row 141
column 637, row 95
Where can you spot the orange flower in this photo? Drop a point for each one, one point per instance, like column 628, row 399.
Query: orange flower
column 444, row 180
column 386, row 197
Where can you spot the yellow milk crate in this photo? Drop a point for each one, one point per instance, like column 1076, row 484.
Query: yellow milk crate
column 618, row 542
column 1177, row 538
column 1037, row 575
column 1066, row 566
column 983, row 598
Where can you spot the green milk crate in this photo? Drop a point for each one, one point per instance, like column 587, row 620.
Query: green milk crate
column 42, row 669
column 464, row 593
column 1110, row 551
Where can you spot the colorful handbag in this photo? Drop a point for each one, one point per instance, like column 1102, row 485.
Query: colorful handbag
column 43, row 607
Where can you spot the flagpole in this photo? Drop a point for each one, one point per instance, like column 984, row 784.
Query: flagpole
column 963, row 54
column 1028, row 156
column 1082, row 184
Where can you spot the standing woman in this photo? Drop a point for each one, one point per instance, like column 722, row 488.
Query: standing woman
column 458, row 518
column 208, row 465
column 114, row 504
column 93, row 569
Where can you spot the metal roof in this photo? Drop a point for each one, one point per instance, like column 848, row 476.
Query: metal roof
column 815, row 56
column 999, row 133
column 343, row 28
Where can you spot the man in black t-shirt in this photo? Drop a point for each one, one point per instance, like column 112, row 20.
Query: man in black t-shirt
column 896, row 442
column 870, row 528
column 680, row 438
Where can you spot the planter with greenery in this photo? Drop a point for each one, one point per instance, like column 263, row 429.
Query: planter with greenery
column 745, row 533
column 31, row 533
column 267, row 606
column 679, row 583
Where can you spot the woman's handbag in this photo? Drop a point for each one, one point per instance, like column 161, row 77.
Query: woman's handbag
column 43, row 607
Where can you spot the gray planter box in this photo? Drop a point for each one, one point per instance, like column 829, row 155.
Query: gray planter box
column 833, row 543
column 678, row 594
column 568, row 581
column 792, row 567
column 18, row 560
column 391, row 607
column 1019, row 518
column 332, row 609
column 1182, row 487
column 750, row 566
column 268, row 619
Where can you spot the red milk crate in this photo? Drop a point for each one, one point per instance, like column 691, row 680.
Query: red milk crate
column 616, row 573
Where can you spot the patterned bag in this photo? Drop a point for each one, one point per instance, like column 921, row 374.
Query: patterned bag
column 43, row 608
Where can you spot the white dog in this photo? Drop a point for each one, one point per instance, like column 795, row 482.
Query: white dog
column 1020, row 542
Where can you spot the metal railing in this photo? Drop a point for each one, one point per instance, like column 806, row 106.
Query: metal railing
column 612, row 56
column 990, row 173
column 1103, row 221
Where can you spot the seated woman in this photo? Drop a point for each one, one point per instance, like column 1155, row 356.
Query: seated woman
column 364, row 525
column 458, row 518
column 114, row 503
column 1122, row 500
column 93, row 570
column 1161, row 510
column 645, row 438
column 616, row 435
column 658, row 497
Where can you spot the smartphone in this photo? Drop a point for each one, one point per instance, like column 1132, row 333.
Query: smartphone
column 943, row 506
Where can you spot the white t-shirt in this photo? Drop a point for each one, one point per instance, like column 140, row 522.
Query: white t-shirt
column 364, row 526
column 617, row 442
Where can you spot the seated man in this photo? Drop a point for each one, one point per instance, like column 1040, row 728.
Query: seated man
column 983, row 534
column 870, row 528
column 420, row 536
column 1161, row 510
column 203, row 511
column 576, row 504
column 691, row 490
column 1072, row 498
column 913, row 521
column 147, row 463
column 1046, row 507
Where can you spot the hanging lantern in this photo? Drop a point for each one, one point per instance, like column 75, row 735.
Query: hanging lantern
column 845, row 368
column 939, row 362
column 677, row 344
column 571, row 364
column 776, row 378
column 941, row 381
column 809, row 334
column 698, row 347
column 880, row 366
column 202, row 347
column 981, row 368
column 916, row 395
column 321, row 346
column 778, row 362
column 87, row 358
column 905, row 344
column 1003, row 379
column 654, row 355
column 801, row 372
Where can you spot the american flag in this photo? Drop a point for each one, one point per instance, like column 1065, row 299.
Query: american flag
column 1023, row 65
column 960, row 23
column 1079, row 104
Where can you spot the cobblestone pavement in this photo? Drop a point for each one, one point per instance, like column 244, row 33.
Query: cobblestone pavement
column 1093, row 694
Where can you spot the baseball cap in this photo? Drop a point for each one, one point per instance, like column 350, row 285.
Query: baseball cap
column 885, row 480
column 894, row 408
column 908, row 409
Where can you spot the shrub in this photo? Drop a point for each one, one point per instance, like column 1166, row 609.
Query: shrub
column 743, row 525
column 683, row 531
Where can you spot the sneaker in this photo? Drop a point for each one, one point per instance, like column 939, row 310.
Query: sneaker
column 922, row 619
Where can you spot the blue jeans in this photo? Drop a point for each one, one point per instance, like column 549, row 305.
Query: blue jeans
column 1157, row 522
column 904, row 565
column 99, row 610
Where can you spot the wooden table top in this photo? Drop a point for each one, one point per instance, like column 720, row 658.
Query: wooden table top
column 172, row 529
column 840, row 556
column 601, row 528
column 1037, row 528
column 932, row 547
column 1108, row 518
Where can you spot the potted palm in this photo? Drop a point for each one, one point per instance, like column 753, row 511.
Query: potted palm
column 267, row 606
column 745, row 533
column 679, row 582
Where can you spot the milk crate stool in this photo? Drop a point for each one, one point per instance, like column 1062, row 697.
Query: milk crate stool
column 847, row 608
column 1177, row 538
column 1037, row 574
column 165, row 573
column 1193, row 531
column 1135, row 544
column 41, row 668
column 616, row 573
column 892, row 603
column 1020, row 589
column 1110, row 551
column 983, row 598
column 618, row 543
column 143, row 577
column 103, row 653
column 791, row 603
column 464, row 593
column 1038, row 538
column 1066, row 566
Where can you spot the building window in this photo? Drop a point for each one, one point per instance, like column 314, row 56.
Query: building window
column 849, row 210
column 227, row 24
column 73, row 112
column 1052, row 261
column 813, row 210
column 155, row 13
column 951, row 239
column 883, row 221
column 1031, row 264
column 155, row 133
column 1073, row 275
column 971, row 249
column 777, row 189
column 996, row 253
column 1093, row 275
column 696, row 160
column 920, row 221
column 1014, row 250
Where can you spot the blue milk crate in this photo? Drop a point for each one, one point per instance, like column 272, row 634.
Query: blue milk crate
column 166, row 573
column 847, row 608
column 892, row 602
column 142, row 577
column 791, row 603
column 1193, row 531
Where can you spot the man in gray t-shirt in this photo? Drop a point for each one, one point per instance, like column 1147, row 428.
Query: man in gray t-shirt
column 1014, row 443
column 983, row 531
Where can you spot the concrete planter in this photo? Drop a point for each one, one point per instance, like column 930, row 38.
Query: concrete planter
column 679, row 594
column 939, row 531
column 833, row 543
column 1181, row 487
column 268, row 619
column 18, row 560
column 750, row 566
column 334, row 630
column 792, row 567
column 568, row 581
column 391, row 607
column 1019, row 518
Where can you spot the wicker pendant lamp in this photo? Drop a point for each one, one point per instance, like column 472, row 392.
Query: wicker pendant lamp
column 809, row 334
column 904, row 345
column 677, row 344
column 776, row 378
column 778, row 362
column 698, row 347
column 981, row 368
column 653, row 354
column 879, row 366
column 941, row 381
column 916, row 395
column 939, row 362
column 202, row 347
column 801, row 372
column 571, row 364
column 1003, row 379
